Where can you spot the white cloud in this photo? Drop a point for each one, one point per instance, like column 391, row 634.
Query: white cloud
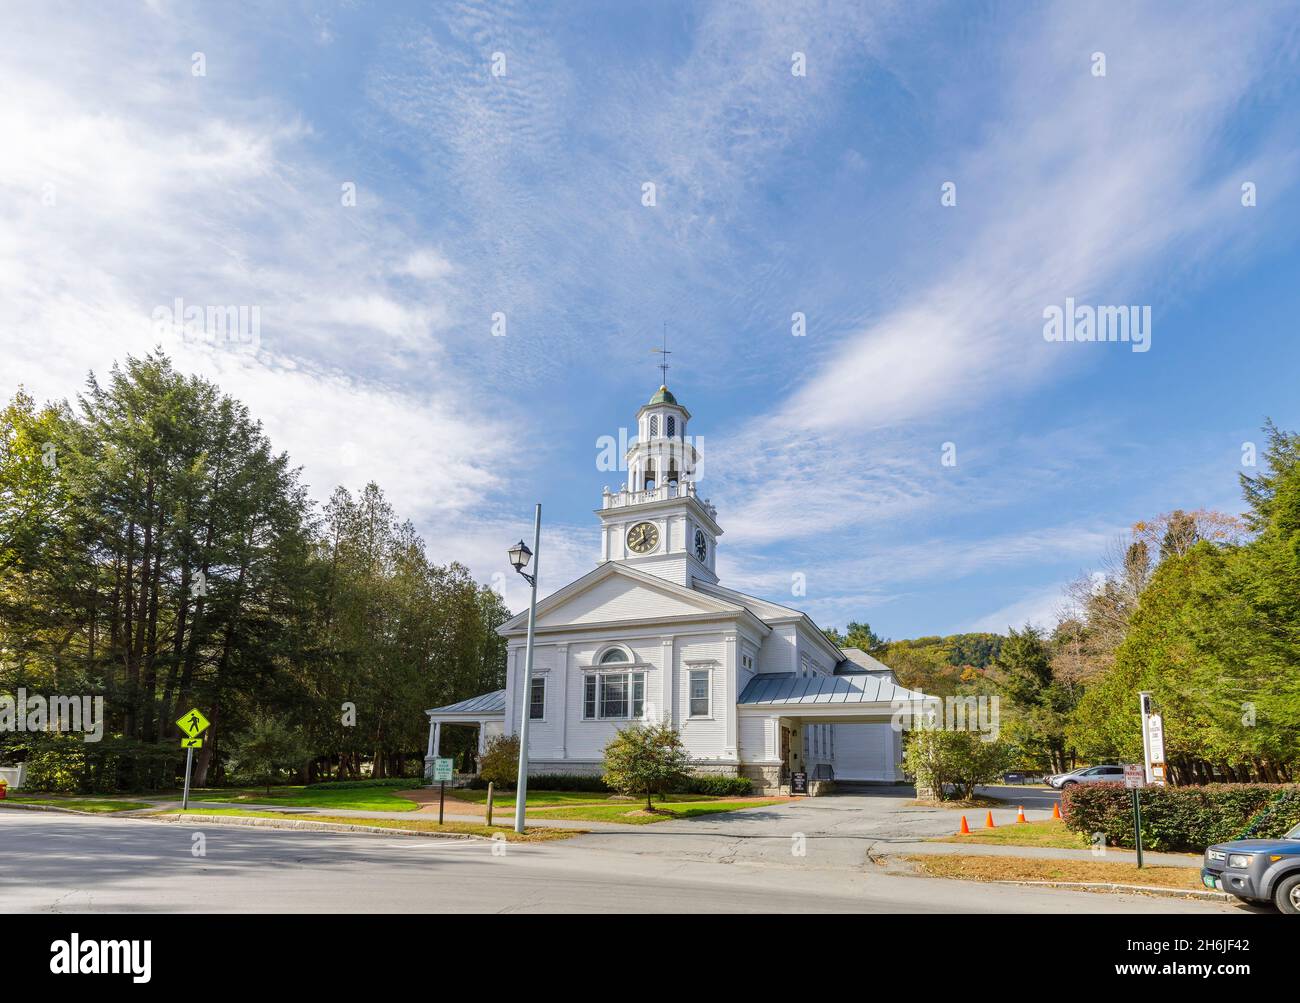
column 122, row 198
column 1041, row 608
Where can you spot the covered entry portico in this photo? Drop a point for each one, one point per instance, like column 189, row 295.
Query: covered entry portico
column 829, row 727
column 486, row 712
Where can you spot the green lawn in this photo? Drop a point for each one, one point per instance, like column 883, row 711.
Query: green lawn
column 1051, row 832
column 77, row 803
column 361, row 798
column 535, row 833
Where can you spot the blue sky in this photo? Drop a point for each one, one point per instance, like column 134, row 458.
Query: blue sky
column 128, row 181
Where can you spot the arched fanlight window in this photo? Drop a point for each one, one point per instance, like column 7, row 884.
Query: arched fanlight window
column 613, row 655
column 672, row 426
column 654, row 425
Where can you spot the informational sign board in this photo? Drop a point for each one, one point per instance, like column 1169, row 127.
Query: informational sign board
column 1156, row 736
column 442, row 768
column 1155, row 743
column 798, row 783
column 1135, row 775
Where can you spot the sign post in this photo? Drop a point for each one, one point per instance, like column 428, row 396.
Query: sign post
column 1153, row 740
column 1135, row 780
column 442, row 768
column 193, row 724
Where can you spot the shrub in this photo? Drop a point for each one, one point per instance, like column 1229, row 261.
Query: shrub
column 500, row 761
column 567, row 782
column 1183, row 818
column 716, row 785
column 940, row 759
column 345, row 785
column 645, row 759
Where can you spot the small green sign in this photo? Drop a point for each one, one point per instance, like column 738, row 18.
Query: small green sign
column 442, row 768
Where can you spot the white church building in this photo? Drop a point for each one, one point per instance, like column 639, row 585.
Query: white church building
column 754, row 687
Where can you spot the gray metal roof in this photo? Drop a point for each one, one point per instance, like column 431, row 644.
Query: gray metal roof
column 484, row 703
column 788, row 688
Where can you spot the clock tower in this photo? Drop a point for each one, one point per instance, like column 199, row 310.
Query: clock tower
column 656, row 522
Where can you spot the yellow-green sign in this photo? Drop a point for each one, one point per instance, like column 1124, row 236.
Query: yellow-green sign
column 192, row 723
column 191, row 743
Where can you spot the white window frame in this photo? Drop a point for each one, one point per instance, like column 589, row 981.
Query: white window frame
column 635, row 677
column 531, row 686
column 690, row 695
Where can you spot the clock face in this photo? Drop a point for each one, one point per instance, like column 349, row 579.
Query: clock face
column 701, row 545
column 643, row 537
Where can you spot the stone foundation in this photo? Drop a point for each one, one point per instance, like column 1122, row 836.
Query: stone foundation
column 767, row 779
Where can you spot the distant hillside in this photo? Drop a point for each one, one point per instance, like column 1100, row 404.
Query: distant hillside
column 940, row 665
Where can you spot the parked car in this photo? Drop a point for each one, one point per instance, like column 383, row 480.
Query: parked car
column 1257, row 870
column 1086, row 775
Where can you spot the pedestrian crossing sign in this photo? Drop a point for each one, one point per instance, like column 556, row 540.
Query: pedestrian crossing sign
column 192, row 723
column 191, row 743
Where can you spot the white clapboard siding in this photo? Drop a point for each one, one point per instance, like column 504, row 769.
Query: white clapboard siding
column 616, row 598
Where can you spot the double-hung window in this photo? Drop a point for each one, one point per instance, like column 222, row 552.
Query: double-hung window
column 613, row 695
column 537, row 699
column 699, row 695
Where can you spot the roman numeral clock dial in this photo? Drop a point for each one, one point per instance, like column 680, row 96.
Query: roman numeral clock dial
column 643, row 538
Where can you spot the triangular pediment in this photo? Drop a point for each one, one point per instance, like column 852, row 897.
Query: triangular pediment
column 614, row 592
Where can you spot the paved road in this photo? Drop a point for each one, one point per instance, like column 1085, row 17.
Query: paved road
column 844, row 832
column 1040, row 798
column 61, row 863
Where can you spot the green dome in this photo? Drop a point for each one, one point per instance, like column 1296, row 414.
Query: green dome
column 664, row 396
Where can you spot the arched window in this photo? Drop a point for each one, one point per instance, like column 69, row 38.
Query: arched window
column 613, row 655
column 654, row 425
column 672, row 427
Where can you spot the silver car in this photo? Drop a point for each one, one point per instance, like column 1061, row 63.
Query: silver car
column 1105, row 774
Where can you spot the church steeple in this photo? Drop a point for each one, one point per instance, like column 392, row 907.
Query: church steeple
column 655, row 520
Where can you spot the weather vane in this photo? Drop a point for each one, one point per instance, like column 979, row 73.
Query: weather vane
column 663, row 353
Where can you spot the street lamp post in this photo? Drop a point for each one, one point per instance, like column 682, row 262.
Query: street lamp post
column 519, row 556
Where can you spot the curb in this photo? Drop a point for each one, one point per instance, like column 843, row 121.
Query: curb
column 294, row 823
column 55, row 808
column 1111, row 886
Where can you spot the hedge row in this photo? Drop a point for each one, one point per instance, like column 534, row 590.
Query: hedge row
column 403, row 783
column 1183, row 818
column 717, row 785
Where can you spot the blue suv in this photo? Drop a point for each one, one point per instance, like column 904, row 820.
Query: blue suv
column 1257, row 870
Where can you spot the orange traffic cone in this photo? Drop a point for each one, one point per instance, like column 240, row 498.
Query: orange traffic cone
column 1056, row 809
column 988, row 822
column 1020, row 815
column 965, row 829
